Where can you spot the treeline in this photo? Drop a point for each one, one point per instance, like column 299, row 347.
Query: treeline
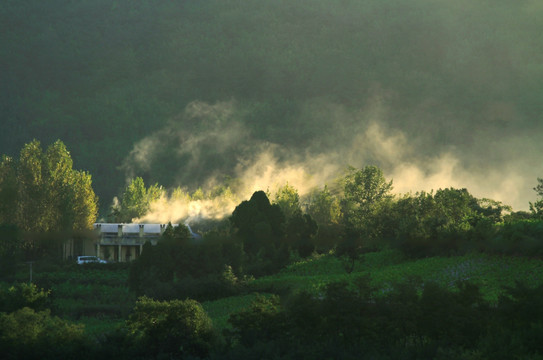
column 359, row 215
column 408, row 320
column 44, row 201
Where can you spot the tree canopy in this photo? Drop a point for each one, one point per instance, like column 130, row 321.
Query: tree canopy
column 135, row 201
column 288, row 199
column 41, row 192
column 365, row 190
column 258, row 222
column 536, row 207
column 176, row 328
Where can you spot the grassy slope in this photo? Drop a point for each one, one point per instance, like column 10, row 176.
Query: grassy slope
column 100, row 299
column 491, row 272
column 94, row 295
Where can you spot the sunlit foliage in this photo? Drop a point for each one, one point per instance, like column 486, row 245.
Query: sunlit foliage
column 42, row 192
column 172, row 328
column 135, row 201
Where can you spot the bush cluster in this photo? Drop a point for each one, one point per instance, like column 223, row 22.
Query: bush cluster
column 347, row 320
column 412, row 320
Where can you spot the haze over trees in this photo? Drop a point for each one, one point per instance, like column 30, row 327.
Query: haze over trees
column 454, row 79
column 135, row 201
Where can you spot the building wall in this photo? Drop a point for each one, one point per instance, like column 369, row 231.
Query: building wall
column 127, row 252
column 114, row 242
column 78, row 247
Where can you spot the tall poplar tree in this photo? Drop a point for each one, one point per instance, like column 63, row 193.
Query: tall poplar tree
column 41, row 192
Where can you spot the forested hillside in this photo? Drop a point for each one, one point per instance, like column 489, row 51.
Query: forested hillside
column 437, row 93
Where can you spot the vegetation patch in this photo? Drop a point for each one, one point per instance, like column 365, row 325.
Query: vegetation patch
column 220, row 310
column 492, row 272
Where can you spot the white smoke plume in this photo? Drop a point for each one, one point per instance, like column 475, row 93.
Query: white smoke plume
column 360, row 138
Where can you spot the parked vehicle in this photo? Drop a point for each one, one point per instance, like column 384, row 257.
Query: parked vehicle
column 90, row 260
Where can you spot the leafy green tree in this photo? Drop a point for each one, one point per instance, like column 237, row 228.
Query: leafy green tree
column 10, row 248
column 288, row 200
column 258, row 223
column 408, row 222
column 301, row 230
column 31, row 213
column 449, row 221
column 136, row 200
column 180, row 266
column 364, row 190
column 536, row 208
column 493, row 210
column 177, row 328
column 28, row 331
column 198, row 194
column 349, row 250
column 22, row 295
column 539, row 187
column 41, row 194
column 455, row 214
column 30, row 334
column 520, row 309
column 179, row 194
column 45, row 192
column 263, row 320
column 457, row 207
column 457, row 318
column 517, row 215
column 518, row 237
column 84, row 202
column 178, row 249
column 324, row 207
column 158, row 264
column 8, row 190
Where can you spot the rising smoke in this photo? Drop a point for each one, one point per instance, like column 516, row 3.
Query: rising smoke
column 209, row 141
column 436, row 93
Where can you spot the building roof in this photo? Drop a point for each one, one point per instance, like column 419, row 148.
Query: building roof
column 130, row 228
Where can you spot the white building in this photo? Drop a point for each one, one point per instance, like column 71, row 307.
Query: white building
column 124, row 242
column 116, row 242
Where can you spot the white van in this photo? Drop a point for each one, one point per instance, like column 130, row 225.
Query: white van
column 89, row 260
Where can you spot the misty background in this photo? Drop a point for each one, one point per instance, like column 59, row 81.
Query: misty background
column 193, row 93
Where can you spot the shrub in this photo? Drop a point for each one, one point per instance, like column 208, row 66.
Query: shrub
column 23, row 295
column 27, row 334
column 171, row 328
column 522, row 237
column 264, row 320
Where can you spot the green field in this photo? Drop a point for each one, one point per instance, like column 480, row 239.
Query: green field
column 491, row 272
column 96, row 296
column 99, row 297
